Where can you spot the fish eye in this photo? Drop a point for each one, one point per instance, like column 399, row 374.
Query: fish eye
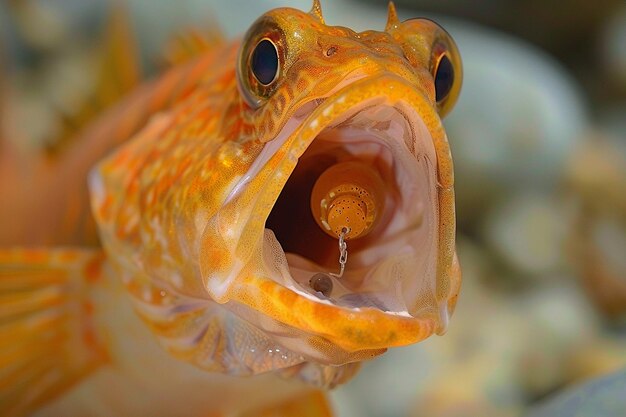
column 447, row 75
column 427, row 45
column 264, row 62
column 447, row 72
column 261, row 61
column 444, row 78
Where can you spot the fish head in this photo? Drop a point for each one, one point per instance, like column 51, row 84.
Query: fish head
column 333, row 96
column 323, row 213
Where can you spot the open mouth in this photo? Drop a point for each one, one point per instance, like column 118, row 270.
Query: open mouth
column 391, row 265
column 401, row 277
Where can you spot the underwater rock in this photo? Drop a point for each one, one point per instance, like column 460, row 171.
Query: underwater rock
column 528, row 232
column 614, row 50
column 602, row 397
column 597, row 357
column 596, row 178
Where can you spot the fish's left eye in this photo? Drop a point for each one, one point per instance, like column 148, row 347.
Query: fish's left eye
column 426, row 45
column 264, row 62
column 447, row 73
column 444, row 78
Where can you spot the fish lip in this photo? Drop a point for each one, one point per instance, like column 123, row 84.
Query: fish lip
column 359, row 91
column 402, row 329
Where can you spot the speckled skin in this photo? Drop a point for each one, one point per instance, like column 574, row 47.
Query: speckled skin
column 187, row 242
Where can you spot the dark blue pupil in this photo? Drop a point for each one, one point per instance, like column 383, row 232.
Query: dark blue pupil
column 265, row 62
column 444, row 78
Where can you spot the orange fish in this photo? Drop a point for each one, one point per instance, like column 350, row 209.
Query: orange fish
column 282, row 204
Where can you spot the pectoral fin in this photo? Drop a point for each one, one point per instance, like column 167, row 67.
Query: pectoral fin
column 48, row 338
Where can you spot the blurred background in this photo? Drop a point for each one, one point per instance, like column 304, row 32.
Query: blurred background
column 539, row 143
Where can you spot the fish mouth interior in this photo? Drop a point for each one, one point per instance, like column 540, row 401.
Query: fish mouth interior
column 393, row 267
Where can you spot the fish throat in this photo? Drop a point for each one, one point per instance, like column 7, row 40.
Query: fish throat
column 366, row 182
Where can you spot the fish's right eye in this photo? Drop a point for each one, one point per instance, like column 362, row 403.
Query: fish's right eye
column 444, row 78
column 261, row 61
column 264, row 62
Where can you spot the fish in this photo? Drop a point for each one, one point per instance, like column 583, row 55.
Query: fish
column 267, row 215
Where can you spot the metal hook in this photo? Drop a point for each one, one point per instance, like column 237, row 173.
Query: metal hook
column 343, row 252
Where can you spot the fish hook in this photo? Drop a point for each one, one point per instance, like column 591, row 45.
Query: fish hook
column 343, row 253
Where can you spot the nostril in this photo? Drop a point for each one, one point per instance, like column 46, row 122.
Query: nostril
column 331, row 51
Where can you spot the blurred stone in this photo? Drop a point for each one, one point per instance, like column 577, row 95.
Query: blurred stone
column 596, row 178
column 528, row 231
column 42, row 26
column 602, row 397
column 562, row 319
column 613, row 50
column 33, row 116
column 612, row 119
column 597, row 357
